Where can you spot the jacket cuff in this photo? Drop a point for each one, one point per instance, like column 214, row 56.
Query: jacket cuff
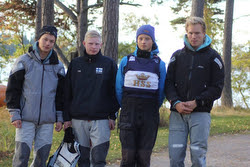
column 174, row 102
column 59, row 116
column 199, row 102
column 14, row 115
column 178, row 101
column 113, row 116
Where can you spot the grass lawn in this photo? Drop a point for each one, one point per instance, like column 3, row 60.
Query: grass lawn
column 224, row 121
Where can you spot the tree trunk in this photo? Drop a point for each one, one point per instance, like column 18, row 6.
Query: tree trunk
column 61, row 56
column 38, row 18
column 48, row 19
column 110, row 25
column 47, row 12
column 82, row 24
column 197, row 8
column 67, row 10
column 226, row 98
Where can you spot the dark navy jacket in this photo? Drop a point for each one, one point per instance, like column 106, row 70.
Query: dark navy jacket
column 90, row 88
column 195, row 75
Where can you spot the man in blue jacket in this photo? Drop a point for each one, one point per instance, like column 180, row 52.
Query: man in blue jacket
column 140, row 92
column 90, row 102
column 34, row 98
column 195, row 78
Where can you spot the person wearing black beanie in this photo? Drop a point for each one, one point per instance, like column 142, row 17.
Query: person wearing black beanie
column 139, row 90
column 34, row 99
column 48, row 30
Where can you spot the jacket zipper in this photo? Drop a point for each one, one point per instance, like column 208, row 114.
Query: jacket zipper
column 41, row 99
column 189, row 77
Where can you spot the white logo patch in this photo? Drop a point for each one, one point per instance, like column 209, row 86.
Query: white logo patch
column 132, row 58
column 141, row 80
column 217, row 61
column 172, row 59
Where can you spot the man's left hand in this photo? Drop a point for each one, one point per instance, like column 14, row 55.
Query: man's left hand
column 58, row 127
column 111, row 124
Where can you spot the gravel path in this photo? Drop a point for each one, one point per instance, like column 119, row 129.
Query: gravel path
column 223, row 151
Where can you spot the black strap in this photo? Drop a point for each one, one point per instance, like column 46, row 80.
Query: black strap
column 69, row 136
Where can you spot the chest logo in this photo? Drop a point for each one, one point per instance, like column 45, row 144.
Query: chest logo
column 99, row 70
column 142, row 81
column 142, row 76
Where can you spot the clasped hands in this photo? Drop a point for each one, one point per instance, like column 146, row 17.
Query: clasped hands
column 186, row 107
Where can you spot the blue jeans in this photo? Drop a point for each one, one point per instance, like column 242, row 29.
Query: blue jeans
column 197, row 126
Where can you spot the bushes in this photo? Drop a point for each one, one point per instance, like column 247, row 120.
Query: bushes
column 7, row 132
column 164, row 117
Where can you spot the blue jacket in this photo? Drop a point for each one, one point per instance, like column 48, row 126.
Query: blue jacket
column 120, row 77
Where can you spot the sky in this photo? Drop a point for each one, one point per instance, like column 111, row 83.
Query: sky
column 168, row 39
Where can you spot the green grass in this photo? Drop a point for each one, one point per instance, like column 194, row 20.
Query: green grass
column 229, row 124
column 224, row 121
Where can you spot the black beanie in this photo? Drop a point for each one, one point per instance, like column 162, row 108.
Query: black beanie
column 48, row 30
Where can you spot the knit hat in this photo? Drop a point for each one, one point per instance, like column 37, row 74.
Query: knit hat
column 146, row 29
column 48, row 30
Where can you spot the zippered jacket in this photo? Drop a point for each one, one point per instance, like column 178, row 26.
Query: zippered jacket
column 195, row 75
column 90, row 88
column 35, row 88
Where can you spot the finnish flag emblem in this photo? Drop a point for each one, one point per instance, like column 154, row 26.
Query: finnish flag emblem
column 99, row 70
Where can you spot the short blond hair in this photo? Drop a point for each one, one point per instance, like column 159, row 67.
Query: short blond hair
column 92, row 34
column 195, row 20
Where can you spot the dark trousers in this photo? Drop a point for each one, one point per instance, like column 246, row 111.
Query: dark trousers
column 139, row 120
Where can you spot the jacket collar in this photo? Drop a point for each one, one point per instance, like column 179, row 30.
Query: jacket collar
column 50, row 59
column 91, row 58
column 153, row 52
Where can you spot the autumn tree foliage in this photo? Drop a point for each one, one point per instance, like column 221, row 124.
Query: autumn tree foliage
column 72, row 21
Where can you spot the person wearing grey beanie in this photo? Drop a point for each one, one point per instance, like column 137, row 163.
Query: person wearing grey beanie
column 140, row 92
column 34, row 99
